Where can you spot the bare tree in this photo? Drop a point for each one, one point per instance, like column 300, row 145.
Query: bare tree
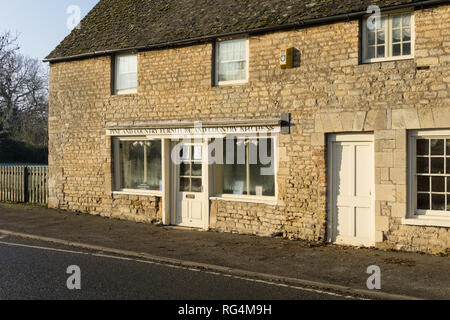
column 23, row 94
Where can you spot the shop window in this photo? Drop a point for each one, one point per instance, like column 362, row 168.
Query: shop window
column 390, row 39
column 247, row 168
column 138, row 165
column 125, row 74
column 232, row 62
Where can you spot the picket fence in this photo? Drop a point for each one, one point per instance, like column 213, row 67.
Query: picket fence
column 23, row 184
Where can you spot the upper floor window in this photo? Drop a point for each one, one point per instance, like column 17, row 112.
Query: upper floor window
column 390, row 39
column 232, row 61
column 126, row 74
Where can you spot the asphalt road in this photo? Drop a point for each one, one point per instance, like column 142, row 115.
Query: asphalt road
column 37, row 270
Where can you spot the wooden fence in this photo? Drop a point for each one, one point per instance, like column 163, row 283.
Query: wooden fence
column 23, row 184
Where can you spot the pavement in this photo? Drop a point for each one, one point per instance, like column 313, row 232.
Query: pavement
column 325, row 267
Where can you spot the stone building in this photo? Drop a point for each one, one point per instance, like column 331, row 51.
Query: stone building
column 325, row 122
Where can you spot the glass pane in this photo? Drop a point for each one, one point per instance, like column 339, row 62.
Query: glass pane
column 448, row 202
column 438, row 202
column 154, row 165
column 196, row 185
column 262, row 175
column 185, row 169
column 396, row 35
column 423, row 201
column 438, row 184
column 197, row 153
column 126, row 68
column 371, row 53
column 406, row 34
column 448, row 147
column 448, row 166
column 234, row 174
column 371, row 38
column 406, row 20
column 422, row 147
column 185, row 184
column 185, row 153
column 132, row 164
column 397, row 21
column 396, row 50
column 423, row 184
column 437, row 165
column 437, row 147
column 448, row 184
column 406, row 49
column 380, row 37
column 380, row 52
column 197, row 170
column 423, row 165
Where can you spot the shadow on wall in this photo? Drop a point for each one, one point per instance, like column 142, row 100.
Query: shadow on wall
column 13, row 151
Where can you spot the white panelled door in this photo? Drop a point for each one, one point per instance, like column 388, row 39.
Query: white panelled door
column 351, row 190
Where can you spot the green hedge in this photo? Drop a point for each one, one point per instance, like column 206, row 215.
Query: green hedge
column 13, row 151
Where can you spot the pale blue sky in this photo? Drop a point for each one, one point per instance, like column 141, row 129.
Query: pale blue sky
column 41, row 24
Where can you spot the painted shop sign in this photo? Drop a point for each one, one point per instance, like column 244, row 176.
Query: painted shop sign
column 193, row 131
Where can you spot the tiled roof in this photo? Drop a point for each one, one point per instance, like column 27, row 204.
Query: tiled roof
column 113, row 25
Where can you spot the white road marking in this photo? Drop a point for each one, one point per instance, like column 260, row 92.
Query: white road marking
column 177, row 267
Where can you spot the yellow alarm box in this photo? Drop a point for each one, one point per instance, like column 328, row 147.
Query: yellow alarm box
column 287, row 58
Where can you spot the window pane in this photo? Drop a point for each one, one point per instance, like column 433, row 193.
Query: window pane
column 448, row 147
column 406, row 49
column 371, row 38
column 380, row 52
column 423, row 184
column 423, row 165
column 132, row 164
column 126, row 72
column 234, row 175
column 396, row 35
column 406, row 20
column 197, row 170
column 448, row 166
column 437, row 165
column 232, row 60
column 437, row 147
column 262, row 178
column 380, row 37
column 196, row 185
column 422, row 147
column 438, row 184
column 154, row 165
column 448, row 202
column 135, row 173
column 396, row 50
column 438, row 202
column 406, row 34
column 423, row 201
column 371, row 53
column 397, row 21
column 185, row 169
column 185, row 184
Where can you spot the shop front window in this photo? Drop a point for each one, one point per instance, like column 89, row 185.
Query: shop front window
column 139, row 165
column 247, row 169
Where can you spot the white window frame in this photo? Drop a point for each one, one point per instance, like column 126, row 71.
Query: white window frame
column 388, row 38
column 116, row 75
column 271, row 200
column 117, row 168
column 423, row 217
column 217, row 63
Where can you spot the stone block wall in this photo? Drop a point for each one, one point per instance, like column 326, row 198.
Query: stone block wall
column 330, row 92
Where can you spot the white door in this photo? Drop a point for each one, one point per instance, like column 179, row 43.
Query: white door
column 190, row 193
column 352, row 218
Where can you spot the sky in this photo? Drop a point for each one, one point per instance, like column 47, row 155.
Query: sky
column 40, row 24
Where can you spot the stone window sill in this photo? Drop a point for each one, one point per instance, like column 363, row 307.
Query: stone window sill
column 427, row 222
column 246, row 200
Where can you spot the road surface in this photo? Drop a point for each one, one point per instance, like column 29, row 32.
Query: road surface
column 37, row 270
